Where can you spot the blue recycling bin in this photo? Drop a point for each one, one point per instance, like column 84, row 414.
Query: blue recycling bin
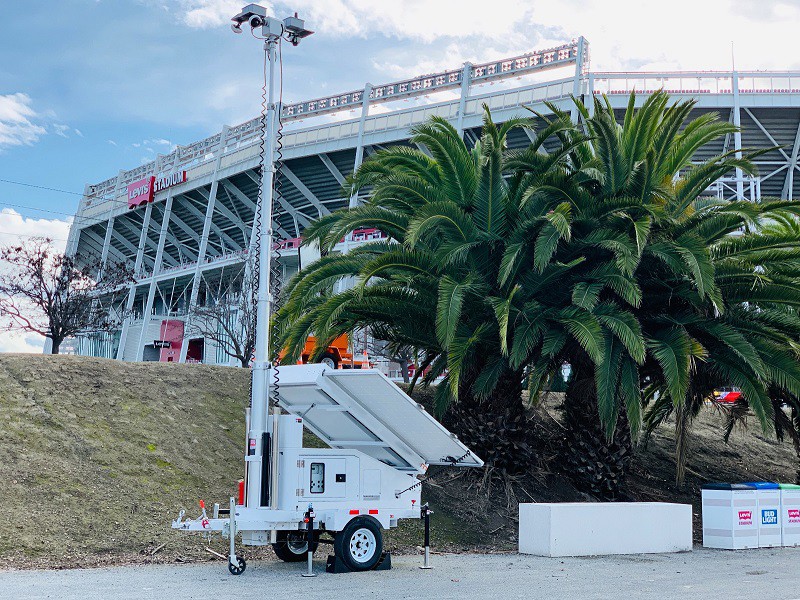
column 769, row 513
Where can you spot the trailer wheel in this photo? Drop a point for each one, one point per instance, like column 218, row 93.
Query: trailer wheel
column 292, row 546
column 237, row 569
column 360, row 544
column 329, row 360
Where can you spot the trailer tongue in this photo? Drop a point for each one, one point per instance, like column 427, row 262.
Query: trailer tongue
column 380, row 441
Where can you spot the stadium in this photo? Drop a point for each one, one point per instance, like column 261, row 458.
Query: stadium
column 184, row 222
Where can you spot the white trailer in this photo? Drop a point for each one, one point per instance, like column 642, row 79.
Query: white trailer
column 381, row 442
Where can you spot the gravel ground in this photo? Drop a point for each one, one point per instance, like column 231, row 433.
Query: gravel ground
column 702, row 574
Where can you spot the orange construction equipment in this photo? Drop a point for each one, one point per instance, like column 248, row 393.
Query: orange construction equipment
column 336, row 356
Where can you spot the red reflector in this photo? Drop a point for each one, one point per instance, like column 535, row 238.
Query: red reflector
column 241, row 492
column 202, row 504
column 305, row 520
column 354, row 511
column 373, row 511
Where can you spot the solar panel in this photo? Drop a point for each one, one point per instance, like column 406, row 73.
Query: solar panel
column 363, row 410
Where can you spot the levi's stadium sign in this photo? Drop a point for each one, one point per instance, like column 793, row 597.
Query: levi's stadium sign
column 143, row 191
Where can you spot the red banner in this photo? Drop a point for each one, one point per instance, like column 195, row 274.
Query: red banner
column 141, row 192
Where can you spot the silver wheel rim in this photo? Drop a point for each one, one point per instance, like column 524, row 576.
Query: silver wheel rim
column 296, row 544
column 328, row 362
column 362, row 545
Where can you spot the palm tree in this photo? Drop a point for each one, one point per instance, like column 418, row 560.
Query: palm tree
column 713, row 292
column 453, row 278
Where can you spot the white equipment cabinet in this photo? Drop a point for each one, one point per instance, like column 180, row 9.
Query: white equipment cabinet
column 380, row 441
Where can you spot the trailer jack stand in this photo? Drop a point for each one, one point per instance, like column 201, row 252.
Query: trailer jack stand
column 426, row 514
column 236, row 564
column 309, row 518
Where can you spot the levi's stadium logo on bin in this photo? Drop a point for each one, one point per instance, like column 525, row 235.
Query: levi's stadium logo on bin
column 769, row 516
column 794, row 515
column 745, row 517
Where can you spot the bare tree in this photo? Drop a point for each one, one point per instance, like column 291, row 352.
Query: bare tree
column 401, row 354
column 227, row 317
column 47, row 292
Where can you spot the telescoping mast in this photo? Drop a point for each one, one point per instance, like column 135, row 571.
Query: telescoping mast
column 381, row 442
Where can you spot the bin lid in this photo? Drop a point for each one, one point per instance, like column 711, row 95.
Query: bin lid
column 763, row 485
column 361, row 409
column 789, row 486
column 729, row 486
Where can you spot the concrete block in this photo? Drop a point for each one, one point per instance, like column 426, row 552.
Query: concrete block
column 598, row 528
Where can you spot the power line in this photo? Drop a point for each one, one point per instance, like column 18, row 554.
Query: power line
column 25, row 206
column 40, row 187
column 28, row 235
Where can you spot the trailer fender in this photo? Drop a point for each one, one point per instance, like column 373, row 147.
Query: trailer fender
column 383, row 521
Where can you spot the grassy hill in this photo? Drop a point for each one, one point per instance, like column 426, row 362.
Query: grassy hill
column 97, row 456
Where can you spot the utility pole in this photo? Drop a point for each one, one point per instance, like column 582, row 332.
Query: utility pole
column 273, row 31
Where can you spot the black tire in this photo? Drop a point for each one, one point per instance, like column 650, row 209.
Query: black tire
column 360, row 544
column 293, row 547
column 329, row 359
column 239, row 568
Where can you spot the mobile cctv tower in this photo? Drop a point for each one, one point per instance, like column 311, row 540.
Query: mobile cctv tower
column 380, row 441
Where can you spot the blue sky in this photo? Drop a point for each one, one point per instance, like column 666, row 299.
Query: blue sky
column 88, row 87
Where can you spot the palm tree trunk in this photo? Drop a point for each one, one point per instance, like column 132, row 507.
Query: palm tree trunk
column 495, row 428
column 682, row 422
column 595, row 464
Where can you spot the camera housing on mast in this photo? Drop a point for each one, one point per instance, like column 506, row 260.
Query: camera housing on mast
column 295, row 29
column 253, row 14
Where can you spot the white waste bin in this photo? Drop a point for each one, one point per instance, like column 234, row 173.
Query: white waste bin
column 769, row 510
column 730, row 516
column 790, row 514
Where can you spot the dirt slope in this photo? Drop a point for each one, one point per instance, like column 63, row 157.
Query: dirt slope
column 97, row 456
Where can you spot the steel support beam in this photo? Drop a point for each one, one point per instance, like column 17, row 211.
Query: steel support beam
column 132, row 292
column 151, row 292
column 201, row 255
column 150, row 243
column 301, row 187
column 359, row 158
column 737, row 136
column 788, row 184
column 213, row 227
column 332, row 168
column 466, row 81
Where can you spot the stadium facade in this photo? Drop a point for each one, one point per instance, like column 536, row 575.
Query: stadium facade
column 185, row 221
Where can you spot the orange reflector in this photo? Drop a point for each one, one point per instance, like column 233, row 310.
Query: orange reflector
column 373, row 511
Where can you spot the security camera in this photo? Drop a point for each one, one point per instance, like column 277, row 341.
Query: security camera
column 252, row 13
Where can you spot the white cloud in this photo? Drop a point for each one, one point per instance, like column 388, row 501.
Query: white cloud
column 15, row 228
column 61, row 129
column 209, row 13
column 112, row 142
column 78, row 132
column 18, row 124
column 624, row 34
column 15, row 341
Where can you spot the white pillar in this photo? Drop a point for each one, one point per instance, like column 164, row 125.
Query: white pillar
column 578, row 80
column 201, row 253
column 109, row 228
column 737, row 136
column 466, row 81
column 360, row 141
column 132, row 292
column 151, row 293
